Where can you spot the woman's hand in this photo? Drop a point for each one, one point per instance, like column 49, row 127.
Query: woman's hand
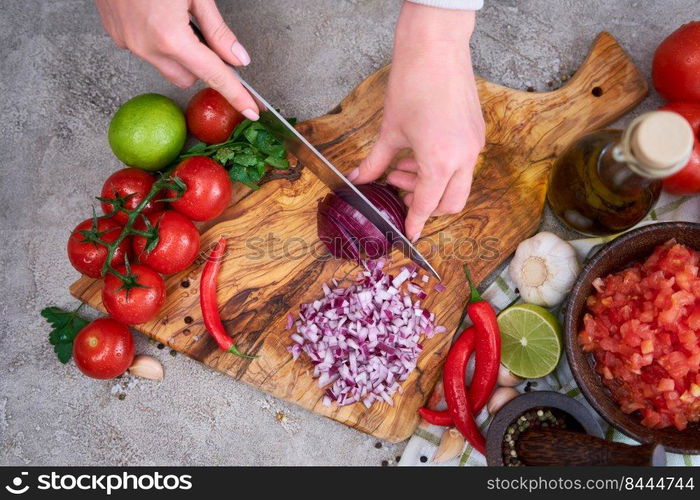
column 159, row 32
column 433, row 108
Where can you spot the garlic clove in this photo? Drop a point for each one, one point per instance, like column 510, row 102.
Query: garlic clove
column 451, row 445
column 147, row 367
column 499, row 398
column 506, row 378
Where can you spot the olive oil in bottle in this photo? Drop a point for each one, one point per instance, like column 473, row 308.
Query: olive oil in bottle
column 607, row 182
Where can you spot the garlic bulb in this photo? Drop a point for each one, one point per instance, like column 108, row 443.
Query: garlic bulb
column 544, row 268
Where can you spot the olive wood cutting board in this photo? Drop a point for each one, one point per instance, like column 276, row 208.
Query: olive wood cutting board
column 275, row 261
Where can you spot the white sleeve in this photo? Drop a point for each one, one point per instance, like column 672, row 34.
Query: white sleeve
column 452, row 4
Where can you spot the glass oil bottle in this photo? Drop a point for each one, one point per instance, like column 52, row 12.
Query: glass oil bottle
column 606, row 182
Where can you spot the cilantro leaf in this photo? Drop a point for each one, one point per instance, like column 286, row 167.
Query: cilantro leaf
column 65, row 326
column 197, row 148
column 278, row 163
column 247, row 153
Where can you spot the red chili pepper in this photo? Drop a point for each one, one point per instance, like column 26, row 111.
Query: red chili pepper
column 456, row 395
column 488, row 347
column 488, row 356
column 436, row 417
column 208, row 303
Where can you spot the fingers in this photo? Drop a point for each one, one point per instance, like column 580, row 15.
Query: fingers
column 425, row 199
column 407, row 165
column 207, row 66
column 404, row 174
column 456, row 193
column 376, row 162
column 106, row 16
column 402, row 180
column 219, row 36
column 173, row 71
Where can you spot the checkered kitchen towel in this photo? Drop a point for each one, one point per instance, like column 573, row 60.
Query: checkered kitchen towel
column 424, row 442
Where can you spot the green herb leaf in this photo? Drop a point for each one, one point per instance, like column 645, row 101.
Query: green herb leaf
column 224, row 155
column 279, row 163
column 247, row 153
column 197, row 148
column 65, row 326
column 242, row 175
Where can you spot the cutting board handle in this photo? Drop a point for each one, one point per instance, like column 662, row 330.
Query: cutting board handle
column 607, row 80
column 606, row 86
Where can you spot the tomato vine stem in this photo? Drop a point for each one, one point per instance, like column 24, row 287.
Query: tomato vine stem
column 165, row 182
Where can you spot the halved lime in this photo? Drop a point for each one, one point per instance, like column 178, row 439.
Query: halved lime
column 530, row 340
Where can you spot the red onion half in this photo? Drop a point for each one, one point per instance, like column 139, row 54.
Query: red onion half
column 350, row 235
column 364, row 339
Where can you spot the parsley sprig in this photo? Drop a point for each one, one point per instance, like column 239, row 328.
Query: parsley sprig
column 65, row 326
column 246, row 154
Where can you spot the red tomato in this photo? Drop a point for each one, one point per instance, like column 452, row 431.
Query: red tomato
column 687, row 181
column 210, row 117
column 103, row 349
column 139, row 304
column 676, row 67
column 133, row 183
column 178, row 242
column 89, row 257
column 208, row 188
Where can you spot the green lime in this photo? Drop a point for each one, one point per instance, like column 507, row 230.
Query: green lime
column 530, row 340
column 148, row 131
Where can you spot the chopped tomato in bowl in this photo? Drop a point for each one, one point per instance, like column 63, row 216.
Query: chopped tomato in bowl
column 642, row 327
column 631, row 334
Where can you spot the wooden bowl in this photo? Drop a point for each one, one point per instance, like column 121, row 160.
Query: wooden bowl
column 528, row 401
column 615, row 256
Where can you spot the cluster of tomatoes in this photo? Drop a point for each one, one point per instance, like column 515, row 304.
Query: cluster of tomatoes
column 162, row 238
column 676, row 76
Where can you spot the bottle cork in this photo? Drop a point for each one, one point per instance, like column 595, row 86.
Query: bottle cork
column 660, row 142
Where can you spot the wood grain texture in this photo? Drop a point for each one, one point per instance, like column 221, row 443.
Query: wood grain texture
column 275, row 261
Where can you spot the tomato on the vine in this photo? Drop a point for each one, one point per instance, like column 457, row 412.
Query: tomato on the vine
column 86, row 255
column 210, row 117
column 134, row 305
column 131, row 185
column 103, row 349
column 687, row 181
column 177, row 246
column 208, row 190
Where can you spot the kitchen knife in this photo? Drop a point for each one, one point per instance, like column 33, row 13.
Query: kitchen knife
column 311, row 158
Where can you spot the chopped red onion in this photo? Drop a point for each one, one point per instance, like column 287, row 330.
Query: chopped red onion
column 439, row 288
column 364, row 339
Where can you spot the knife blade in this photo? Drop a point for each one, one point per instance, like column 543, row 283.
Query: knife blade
column 321, row 167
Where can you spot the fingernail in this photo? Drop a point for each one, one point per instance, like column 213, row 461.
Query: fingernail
column 415, row 238
column 241, row 53
column 353, row 175
column 250, row 114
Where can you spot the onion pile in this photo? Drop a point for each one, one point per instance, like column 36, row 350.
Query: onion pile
column 350, row 235
column 364, row 339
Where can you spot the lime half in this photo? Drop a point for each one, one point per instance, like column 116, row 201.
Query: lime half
column 530, row 340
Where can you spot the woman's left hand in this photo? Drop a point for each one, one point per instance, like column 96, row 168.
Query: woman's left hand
column 431, row 107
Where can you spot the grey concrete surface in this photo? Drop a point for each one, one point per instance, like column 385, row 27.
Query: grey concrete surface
column 61, row 78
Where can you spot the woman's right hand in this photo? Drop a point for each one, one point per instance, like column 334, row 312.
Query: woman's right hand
column 159, row 32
